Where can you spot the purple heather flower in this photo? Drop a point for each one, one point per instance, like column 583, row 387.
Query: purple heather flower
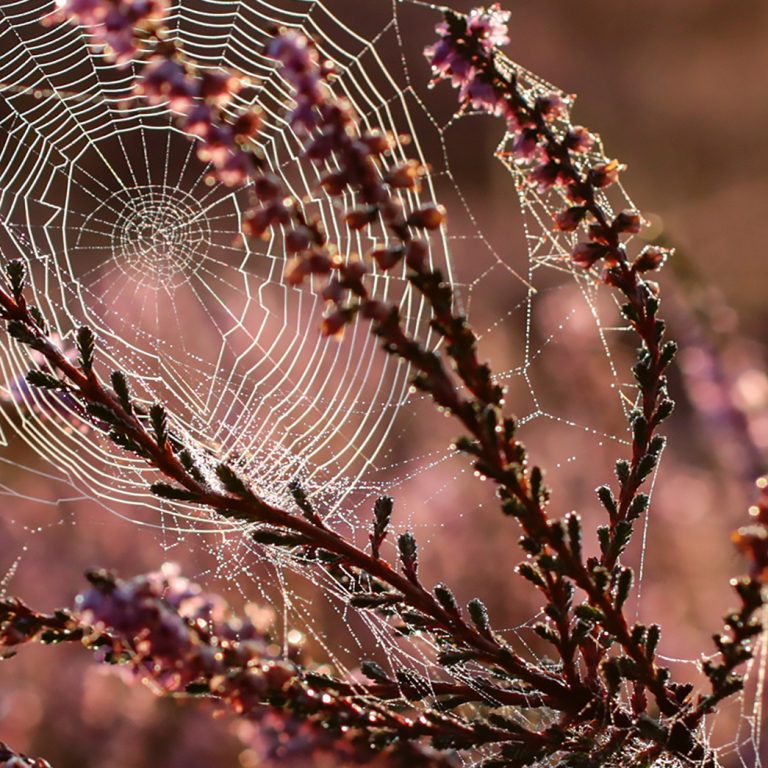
column 447, row 60
column 579, row 139
column 482, row 95
column 526, row 143
column 652, row 257
column 486, row 28
column 628, row 222
column 302, row 69
column 85, row 12
column 489, row 26
column 569, row 219
column 111, row 23
column 605, row 174
column 164, row 79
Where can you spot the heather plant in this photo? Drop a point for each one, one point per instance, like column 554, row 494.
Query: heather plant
column 602, row 696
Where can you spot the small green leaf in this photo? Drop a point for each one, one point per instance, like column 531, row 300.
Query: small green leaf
column 173, row 493
column 447, row 599
column 373, row 671
column 158, row 418
column 103, row 413
column 623, row 586
column 44, row 380
column 409, row 557
column 20, row 331
column 17, row 277
column 231, row 481
column 573, row 522
column 274, row 538
column 479, row 615
column 122, row 390
column 86, row 345
column 375, row 599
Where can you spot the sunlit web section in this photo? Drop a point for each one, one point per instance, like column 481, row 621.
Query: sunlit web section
column 122, row 228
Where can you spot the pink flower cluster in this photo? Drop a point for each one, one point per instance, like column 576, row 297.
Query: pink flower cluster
column 542, row 138
column 332, row 138
column 177, row 634
column 199, row 98
column 452, row 56
column 303, row 69
column 112, row 23
column 465, row 55
column 333, row 135
column 173, row 635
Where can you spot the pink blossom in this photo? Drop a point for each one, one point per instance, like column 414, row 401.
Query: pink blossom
column 489, row 26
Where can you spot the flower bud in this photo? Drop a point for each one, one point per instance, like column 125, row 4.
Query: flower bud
column 319, row 263
column 353, row 271
column 333, row 324
column 296, row 271
column 586, row 254
column 236, row 169
column 218, row 87
column 377, row 311
column 297, row 240
column 377, row 142
column 628, row 222
column 650, row 258
column 247, row 125
column 267, row 187
column 526, row 142
column 406, row 175
column 550, row 105
column 257, row 222
column 392, row 211
column 604, row 175
column 569, row 219
column 599, row 233
column 387, row 258
column 416, row 253
column 322, row 147
column 430, row 217
column 360, row 218
column 579, row 139
column 335, row 183
column 198, row 121
column 546, row 176
column 333, row 291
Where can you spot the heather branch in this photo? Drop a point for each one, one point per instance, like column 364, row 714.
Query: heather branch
column 555, row 158
column 499, row 455
column 147, row 438
column 187, row 643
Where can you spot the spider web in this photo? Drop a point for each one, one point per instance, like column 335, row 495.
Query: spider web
column 122, row 228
